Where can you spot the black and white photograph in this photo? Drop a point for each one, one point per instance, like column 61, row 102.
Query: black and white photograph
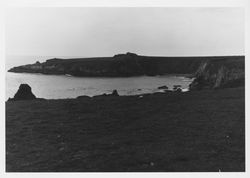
column 125, row 89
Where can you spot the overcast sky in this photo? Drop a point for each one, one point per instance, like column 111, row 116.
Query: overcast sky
column 107, row 31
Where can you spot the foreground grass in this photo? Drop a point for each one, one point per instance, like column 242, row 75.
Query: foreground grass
column 196, row 131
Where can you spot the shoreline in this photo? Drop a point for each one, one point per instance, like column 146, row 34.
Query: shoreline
column 160, row 91
column 108, row 95
column 82, row 85
column 191, row 76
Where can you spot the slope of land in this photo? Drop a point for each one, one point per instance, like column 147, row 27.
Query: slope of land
column 194, row 131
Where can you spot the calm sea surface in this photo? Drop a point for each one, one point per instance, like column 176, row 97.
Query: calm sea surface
column 62, row 86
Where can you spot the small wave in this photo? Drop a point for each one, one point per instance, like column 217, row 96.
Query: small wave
column 185, row 90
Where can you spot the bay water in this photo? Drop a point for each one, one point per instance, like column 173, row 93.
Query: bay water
column 64, row 86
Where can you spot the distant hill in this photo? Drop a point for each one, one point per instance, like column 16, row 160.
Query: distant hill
column 204, row 69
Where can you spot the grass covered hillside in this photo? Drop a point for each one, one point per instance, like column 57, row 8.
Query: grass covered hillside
column 194, row 131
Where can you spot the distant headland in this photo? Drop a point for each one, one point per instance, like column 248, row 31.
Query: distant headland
column 209, row 72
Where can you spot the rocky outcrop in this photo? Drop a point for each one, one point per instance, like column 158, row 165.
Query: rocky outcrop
column 164, row 87
column 24, row 93
column 114, row 93
column 83, row 97
column 221, row 73
column 176, row 87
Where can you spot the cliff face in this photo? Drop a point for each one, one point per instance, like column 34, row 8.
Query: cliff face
column 210, row 72
column 219, row 73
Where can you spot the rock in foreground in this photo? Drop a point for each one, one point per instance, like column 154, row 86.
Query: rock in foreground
column 24, row 93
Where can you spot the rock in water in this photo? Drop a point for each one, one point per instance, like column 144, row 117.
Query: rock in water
column 178, row 90
column 24, row 93
column 163, row 87
column 176, row 87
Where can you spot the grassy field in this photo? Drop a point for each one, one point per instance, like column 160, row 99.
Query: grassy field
column 195, row 131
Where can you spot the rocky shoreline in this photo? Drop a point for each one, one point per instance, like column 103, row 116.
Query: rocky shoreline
column 219, row 74
column 24, row 92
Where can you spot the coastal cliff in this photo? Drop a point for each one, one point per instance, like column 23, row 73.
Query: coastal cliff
column 120, row 65
column 209, row 72
column 220, row 73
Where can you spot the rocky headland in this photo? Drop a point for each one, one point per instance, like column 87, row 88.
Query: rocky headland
column 220, row 73
column 209, row 72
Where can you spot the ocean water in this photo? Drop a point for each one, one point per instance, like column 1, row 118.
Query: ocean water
column 62, row 86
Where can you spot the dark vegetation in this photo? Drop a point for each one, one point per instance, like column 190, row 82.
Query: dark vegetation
column 194, row 131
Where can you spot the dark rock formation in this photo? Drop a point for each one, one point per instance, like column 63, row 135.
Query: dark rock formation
column 24, row 93
column 175, row 87
column 178, row 90
column 115, row 93
column 162, row 87
column 102, row 95
column 83, row 97
column 219, row 74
